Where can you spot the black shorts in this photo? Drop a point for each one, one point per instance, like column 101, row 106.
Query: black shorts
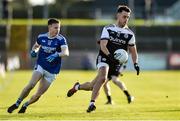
column 114, row 70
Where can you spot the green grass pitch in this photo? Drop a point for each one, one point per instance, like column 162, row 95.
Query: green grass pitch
column 157, row 97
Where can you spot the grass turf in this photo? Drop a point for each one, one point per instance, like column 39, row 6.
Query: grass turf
column 157, row 97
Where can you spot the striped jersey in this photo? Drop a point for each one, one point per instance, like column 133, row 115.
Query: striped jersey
column 118, row 38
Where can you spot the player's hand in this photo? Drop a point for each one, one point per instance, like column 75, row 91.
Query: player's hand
column 136, row 66
column 52, row 57
column 112, row 59
column 33, row 54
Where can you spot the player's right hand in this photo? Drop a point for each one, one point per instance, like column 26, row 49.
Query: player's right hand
column 136, row 67
column 52, row 57
column 112, row 59
column 33, row 54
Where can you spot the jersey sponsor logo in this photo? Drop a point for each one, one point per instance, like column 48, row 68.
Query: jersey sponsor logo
column 48, row 49
column 118, row 41
column 118, row 37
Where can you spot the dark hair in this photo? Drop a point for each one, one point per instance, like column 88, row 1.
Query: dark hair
column 53, row 21
column 122, row 8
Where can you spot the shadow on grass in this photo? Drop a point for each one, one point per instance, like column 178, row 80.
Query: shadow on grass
column 165, row 110
column 45, row 116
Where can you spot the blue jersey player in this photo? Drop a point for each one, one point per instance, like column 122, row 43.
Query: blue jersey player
column 49, row 48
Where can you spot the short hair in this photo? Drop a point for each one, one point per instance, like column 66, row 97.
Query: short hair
column 122, row 8
column 53, row 21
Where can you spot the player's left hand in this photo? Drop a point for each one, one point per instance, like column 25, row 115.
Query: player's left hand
column 33, row 54
column 136, row 66
column 52, row 57
column 112, row 59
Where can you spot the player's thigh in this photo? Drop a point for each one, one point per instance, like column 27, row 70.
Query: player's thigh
column 46, row 81
column 49, row 76
column 102, row 73
column 43, row 86
column 36, row 76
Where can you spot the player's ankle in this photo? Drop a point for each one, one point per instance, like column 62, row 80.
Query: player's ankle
column 92, row 102
column 77, row 87
column 26, row 104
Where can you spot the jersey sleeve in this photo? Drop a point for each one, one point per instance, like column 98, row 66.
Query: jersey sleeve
column 38, row 40
column 63, row 42
column 132, row 41
column 104, row 34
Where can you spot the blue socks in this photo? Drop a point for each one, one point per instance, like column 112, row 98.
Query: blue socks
column 18, row 102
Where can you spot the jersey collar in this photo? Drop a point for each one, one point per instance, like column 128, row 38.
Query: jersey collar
column 51, row 37
column 121, row 27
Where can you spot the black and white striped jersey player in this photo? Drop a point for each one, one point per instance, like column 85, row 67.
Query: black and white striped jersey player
column 113, row 37
column 117, row 38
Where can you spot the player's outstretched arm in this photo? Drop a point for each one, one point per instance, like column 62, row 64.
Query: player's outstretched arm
column 64, row 52
column 134, row 56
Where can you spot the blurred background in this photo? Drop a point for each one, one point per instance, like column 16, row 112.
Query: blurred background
column 156, row 24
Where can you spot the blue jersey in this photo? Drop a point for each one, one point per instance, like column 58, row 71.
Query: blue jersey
column 49, row 46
